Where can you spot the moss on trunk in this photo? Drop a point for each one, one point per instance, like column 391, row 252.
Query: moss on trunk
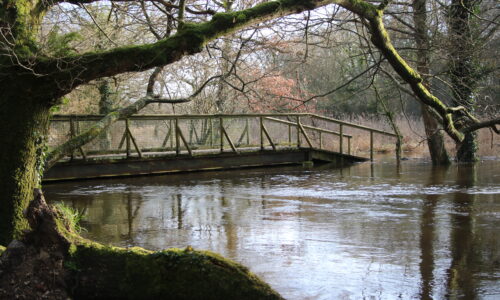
column 105, row 272
column 83, row 269
column 23, row 128
column 2, row 249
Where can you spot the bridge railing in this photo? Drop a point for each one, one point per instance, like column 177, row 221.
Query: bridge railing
column 141, row 135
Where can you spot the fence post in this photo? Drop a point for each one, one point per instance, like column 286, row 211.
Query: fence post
column 261, row 122
column 298, row 131
column 289, row 135
column 72, row 134
column 177, row 142
column 320, row 140
column 371, row 145
column 341, row 137
column 221, row 134
column 171, row 130
column 211, row 137
column 127, row 138
column 248, row 134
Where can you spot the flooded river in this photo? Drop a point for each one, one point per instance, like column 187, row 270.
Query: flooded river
column 369, row 231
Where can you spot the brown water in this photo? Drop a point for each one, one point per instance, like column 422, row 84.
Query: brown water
column 369, row 231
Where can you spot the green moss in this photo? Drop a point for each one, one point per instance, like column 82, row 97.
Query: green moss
column 2, row 250
column 136, row 273
column 361, row 7
column 99, row 271
column 24, row 17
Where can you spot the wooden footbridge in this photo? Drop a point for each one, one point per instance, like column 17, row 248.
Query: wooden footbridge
column 160, row 144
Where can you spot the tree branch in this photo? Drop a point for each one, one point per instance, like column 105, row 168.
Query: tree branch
column 71, row 71
column 490, row 123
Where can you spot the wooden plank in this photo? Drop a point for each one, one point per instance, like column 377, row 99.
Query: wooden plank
column 200, row 116
column 261, row 125
column 305, row 126
column 181, row 135
column 134, row 142
column 353, row 125
column 229, row 140
column 177, row 138
column 305, row 134
column 268, row 137
column 341, row 138
column 167, row 138
column 298, row 132
column 170, row 164
column 221, row 133
column 371, row 145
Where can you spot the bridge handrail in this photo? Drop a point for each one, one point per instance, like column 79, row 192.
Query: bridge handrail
column 353, row 125
column 202, row 116
column 308, row 127
column 268, row 116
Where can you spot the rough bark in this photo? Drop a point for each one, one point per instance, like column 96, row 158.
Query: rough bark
column 105, row 107
column 463, row 70
column 55, row 262
column 435, row 138
column 21, row 152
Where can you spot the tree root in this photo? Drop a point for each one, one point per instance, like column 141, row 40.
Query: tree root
column 53, row 262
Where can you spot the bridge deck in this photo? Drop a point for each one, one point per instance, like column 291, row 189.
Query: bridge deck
column 164, row 163
column 160, row 144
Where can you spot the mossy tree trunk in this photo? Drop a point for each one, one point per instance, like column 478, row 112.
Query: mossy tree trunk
column 23, row 128
column 435, row 137
column 106, row 105
column 463, row 69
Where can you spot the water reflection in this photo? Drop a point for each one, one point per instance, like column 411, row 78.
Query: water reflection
column 461, row 281
column 427, row 233
column 370, row 231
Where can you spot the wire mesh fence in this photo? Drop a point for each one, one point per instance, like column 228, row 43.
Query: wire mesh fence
column 142, row 135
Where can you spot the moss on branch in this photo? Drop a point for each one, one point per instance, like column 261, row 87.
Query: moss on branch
column 73, row 70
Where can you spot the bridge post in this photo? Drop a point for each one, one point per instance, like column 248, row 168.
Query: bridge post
column 289, row 135
column 261, row 122
column 171, row 131
column 320, row 140
column 221, row 134
column 247, row 131
column 127, row 138
column 371, row 145
column 211, row 137
column 341, row 137
column 72, row 134
column 177, row 142
column 298, row 131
